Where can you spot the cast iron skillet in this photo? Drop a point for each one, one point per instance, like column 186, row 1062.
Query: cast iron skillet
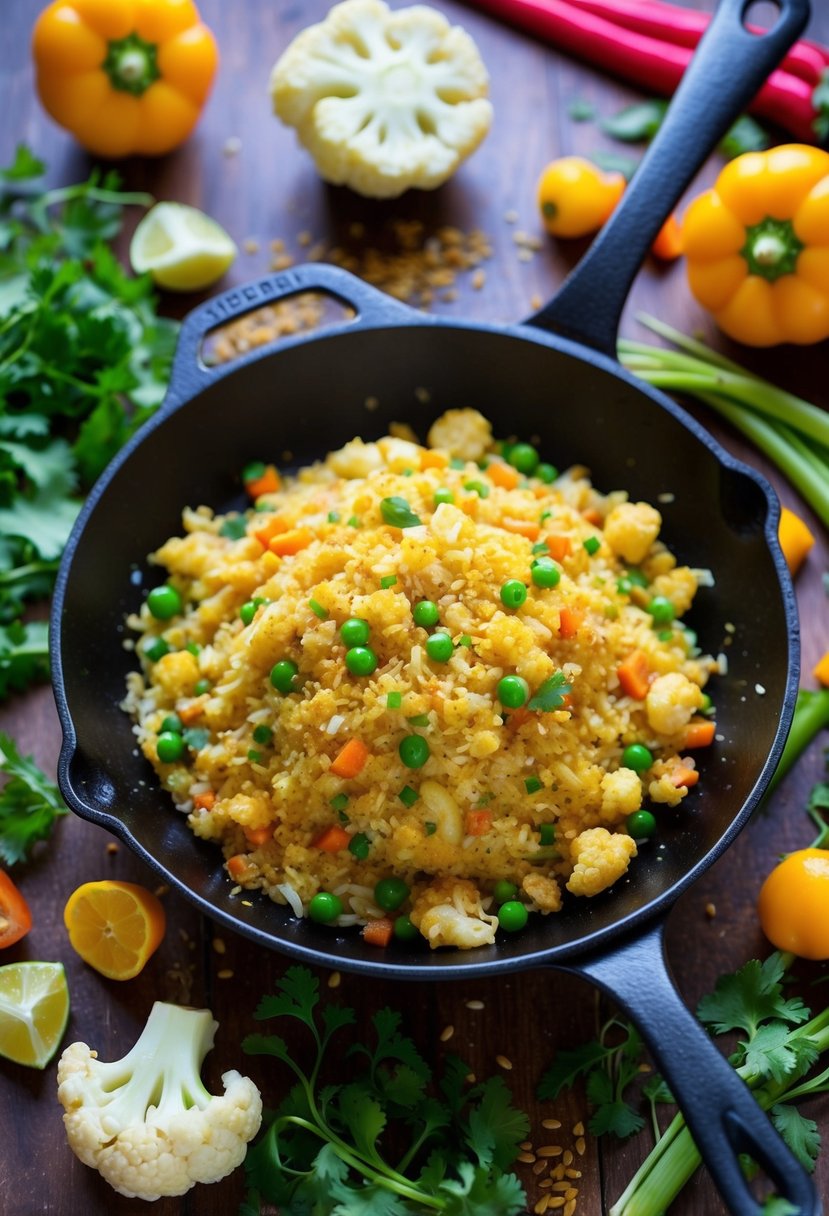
column 554, row 378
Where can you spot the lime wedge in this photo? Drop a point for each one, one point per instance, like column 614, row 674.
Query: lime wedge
column 181, row 247
column 34, row 1010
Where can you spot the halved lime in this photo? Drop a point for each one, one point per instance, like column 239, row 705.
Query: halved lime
column 181, row 247
column 34, row 1010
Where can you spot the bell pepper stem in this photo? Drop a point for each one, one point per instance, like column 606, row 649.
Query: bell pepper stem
column 132, row 64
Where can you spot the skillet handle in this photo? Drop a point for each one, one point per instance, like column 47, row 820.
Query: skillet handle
column 190, row 374
column 730, row 66
column 723, row 1116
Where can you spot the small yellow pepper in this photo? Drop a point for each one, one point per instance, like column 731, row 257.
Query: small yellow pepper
column 576, row 197
column 124, row 76
column 795, row 539
column 794, row 904
column 757, row 246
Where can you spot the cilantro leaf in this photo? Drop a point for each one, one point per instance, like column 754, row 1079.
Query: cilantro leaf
column 29, row 803
column 476, row 1194
column 298, row 997
column 612, row 1115
column 801, row 1134
column 496, row 1127
column 45, row 519
column 24, row 166
column 773, row 1052
column 551, row 694
column 637, row 122
column 568, row 1065
column 750, row 996
column 775, row 1205
column 24, row 655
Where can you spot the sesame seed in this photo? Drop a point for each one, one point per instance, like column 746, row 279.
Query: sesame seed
column 551, row 1124
column 219, row 945
column 446, row 1034
column 474, row 1004
column 581, row 1146
column 550, row 1150
column 504, row 1062
column 225, row 974
column 334, row 979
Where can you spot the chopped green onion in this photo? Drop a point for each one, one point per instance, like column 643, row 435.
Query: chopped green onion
column 234, row 527
column 592, row 545
column 397, row 513
column 394, row 700
column 419, row 720
column 546, row 834
column 545, row 515
column 253, row 471
column 339, row 802
column 457, row 463
column 193, row 648
column 388, row 580
column 477, row 487
column 353, row 522
column 532, row 785
column 333, row 517
column 359, row 846
column 430, row 828
column 318, row 610
column 541, row 547
column 254, row 756
column 464, row 640
column 408, row 796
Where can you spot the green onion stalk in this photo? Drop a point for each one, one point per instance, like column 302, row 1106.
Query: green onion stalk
column 672, row 1162
column 791, row 432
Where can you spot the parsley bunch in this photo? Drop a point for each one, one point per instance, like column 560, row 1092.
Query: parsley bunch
column 779, row 1046
column 84, row 359
column 326, row 1147
column 29, row 804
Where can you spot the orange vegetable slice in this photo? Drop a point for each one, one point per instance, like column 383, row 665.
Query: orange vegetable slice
column 379, row 932
column 114, row 926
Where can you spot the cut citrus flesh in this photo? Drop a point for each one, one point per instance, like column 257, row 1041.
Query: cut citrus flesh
column 34, row 1010
column 180, row 247
column 114, row 926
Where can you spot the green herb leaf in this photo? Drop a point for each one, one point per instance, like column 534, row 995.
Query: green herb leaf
column 801, row 1134
column 611, row 1116
column 397, row 512
column 24, row 655
column 568, row 1065
column 581, row 110
column 551, row 694
column 752, row 995
column 614, row 162
column 496, row 1127
column 820, row 103
column 29, row 804
column 769, row 1052
column 24, row 167
column 636, row 123
column 744, row 135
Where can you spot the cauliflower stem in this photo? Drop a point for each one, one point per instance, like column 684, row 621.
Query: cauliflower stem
column 146, row 1122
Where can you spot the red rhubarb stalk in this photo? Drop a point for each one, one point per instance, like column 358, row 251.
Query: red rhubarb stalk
column 647, row 62
column 685, row 27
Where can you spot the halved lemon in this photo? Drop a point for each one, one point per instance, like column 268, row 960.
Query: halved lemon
column 114, row 926
column 181, row 248
column 34, row 1010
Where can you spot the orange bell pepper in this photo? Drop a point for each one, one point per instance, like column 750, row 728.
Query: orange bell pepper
column 757, row 246
column 124, row 76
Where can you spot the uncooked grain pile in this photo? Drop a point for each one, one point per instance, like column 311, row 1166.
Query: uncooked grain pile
column 422, row 687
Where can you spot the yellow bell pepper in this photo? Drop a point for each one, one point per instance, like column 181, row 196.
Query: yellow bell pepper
column 757, row 246
column 124, row 76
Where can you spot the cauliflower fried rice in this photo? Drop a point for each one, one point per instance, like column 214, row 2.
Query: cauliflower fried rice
column 497, row 767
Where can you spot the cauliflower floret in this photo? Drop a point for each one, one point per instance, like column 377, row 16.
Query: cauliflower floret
column 601, row 858
column 356, row 459
column 464, row 433
column 146, row 1122
column 671, row 702
column 631, row 528
column 449, row 913
column 621, row 794
column 543, row 891
column 383, row 100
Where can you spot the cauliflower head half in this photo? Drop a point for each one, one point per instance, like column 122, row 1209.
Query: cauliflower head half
column 384, row 100
column 146, row 1122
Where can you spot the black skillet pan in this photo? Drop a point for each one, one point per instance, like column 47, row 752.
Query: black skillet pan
column 553, row 378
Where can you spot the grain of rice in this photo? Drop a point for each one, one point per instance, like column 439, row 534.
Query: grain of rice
column 219, row 945
column 334, row 979
column 526, row 1158
column 474, row 1004
column 550, row 1150
column 581, row 1146
column 446, row 1034
column 542, row 1205
column 551, row 1124
column 504, row 1062
column 569, row 1207
column 224, row 974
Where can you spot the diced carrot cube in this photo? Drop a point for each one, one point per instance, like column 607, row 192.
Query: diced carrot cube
column 521, row 527
column 568, row 622
column 433, row 460
column 477, row 823
column 205, row 801
column 291, row 542
column 268, row 483
column 192, row 710
column 351, row 759
column 683, row 774
column 699, row 733
column 378, row 932
column 591, row 516
column 634, row 675
column 237, row 865
column 258, row 836
column 558, row 547
column 503, row 475
column 269, row 528
column 333, row 840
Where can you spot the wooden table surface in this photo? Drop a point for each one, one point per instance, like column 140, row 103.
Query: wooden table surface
column 267, row 190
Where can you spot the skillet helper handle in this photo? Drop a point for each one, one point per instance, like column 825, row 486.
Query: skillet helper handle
column 720, row 1110
column 190, row 374
column 730, row 66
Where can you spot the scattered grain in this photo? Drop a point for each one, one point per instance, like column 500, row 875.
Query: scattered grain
column 558, row 1172
column 112, row 847
column 304, row 239
column 540, row 1166
column 474, row 1004
column 371, row 404
column 250, row 244
column 581, row 1146
column 710, row 911
column 526, row 1145
column 282, row 261
column 526, row 1158
column 277, row 245
column 246, row 903
column 569, row 1207
column 561, row 1186
column 225, row 974
column 572, row 1173
column 162, row 890
column 536, row 302
column 478, row 279
column 550, row 1150
column 511, row 217
column 219, row 945
column 572, row 1193
column 551, row 1124
column 578, row 1129
column 334, row 979
column 470, row 1078
column 542, row 1205
column 556, row 1201
column 504, row 1062
column 545, row 1183
column 568, row 1157
column 446, row 1034
column 525, row 255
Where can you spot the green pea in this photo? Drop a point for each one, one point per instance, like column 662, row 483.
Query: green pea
column 504, row 891
column 662, row 610
column 201, row 686
column 414, row 751
column 426, row 614
column 361, row 661
column 390, row 893
column 641, row 825
column 638, row 757
column 157, row 650
column 512, row 916
column 513, row 593
column 164, row 602
column 172, row 723
column 440, row 647
column 404, row 930
column 512, row 691
column 283, row 675
column 442, row 495
column 477, row 487
column 546, row 473
column 325, row 907
column 170, row 747
column 247, row 612
column 545, row 573
column 355, row 631
column 262, row 733
column 524, row 458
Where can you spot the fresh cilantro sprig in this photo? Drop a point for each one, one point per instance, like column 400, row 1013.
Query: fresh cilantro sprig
column 551, row 694
column 609, row 1065
column 29, row 804
column 327, row 1147
column 84, row 359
